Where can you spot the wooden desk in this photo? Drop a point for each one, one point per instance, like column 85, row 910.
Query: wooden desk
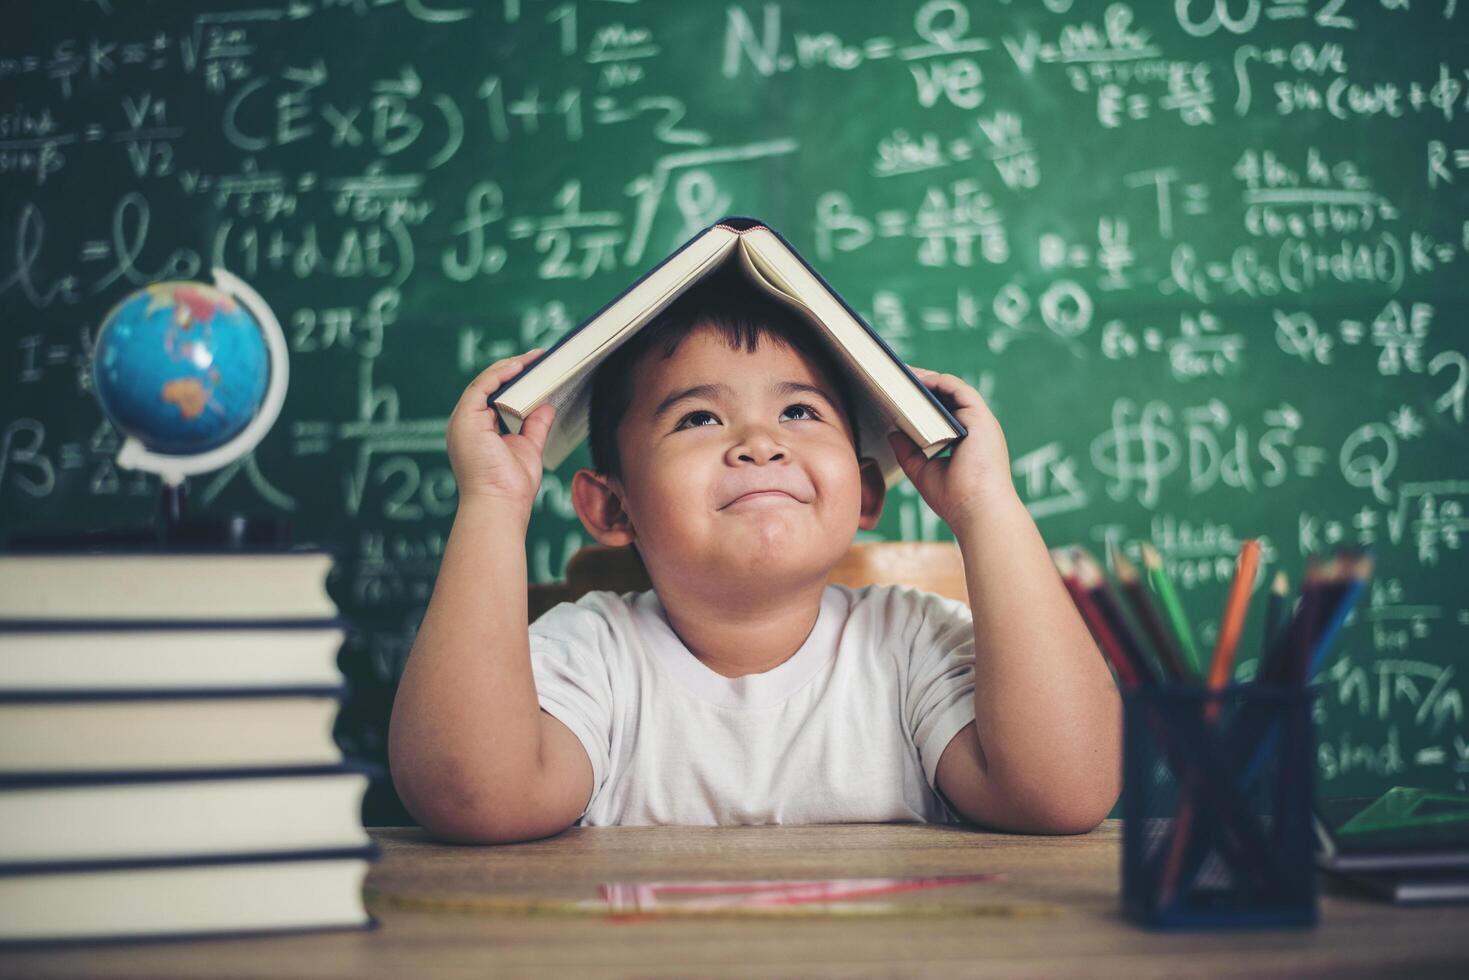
column 1079, row 874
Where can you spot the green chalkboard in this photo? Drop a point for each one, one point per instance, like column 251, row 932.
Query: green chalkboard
column 1205, row 258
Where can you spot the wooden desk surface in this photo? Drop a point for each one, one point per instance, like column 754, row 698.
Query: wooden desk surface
column 1086, row 936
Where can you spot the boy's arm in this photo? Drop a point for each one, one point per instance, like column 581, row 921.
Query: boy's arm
column 1044, row 752
column 473, row 757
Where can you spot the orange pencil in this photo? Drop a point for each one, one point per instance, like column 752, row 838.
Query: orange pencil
column 1235, row 607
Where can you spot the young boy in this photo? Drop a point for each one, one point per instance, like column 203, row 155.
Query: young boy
column 742, row 688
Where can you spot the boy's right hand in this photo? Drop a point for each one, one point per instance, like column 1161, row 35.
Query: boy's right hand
column 488, row 465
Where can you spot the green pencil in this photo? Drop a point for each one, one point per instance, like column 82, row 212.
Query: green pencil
column 1158, row 579
column 1164, row 646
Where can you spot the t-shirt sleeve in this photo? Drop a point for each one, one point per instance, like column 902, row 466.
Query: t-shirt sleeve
column 570, row 646
column 940, row 688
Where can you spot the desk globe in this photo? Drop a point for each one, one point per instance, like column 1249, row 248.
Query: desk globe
column 193, row 375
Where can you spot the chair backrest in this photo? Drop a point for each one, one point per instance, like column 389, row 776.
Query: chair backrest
column 934, row 566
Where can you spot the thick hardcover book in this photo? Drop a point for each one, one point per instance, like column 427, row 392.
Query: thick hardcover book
column 1420, row 887
column 137, row 655
column 1404, row 830
column 887, row 393
column 111, row 731
column 173, row 586
column 186, row 896
column 54, row 818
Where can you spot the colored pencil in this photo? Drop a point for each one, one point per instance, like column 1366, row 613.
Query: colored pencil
column 1337, row 596
column 1289, row 658
column 1235, row 607
column 1274, row 662
column 1110, row 647
column 1274, row 615
column 1094, row 582
column 1296, row 646
column 1355, row 573
column 1142, row 607
column 1163, row 588
column 1293, row 651
column 1247, row 565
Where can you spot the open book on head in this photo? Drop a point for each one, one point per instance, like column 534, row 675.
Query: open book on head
column 887, row 394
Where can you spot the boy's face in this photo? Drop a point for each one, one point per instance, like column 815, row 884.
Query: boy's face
column 739, row 467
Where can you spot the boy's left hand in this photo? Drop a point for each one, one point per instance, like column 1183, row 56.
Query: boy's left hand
column 978, row 465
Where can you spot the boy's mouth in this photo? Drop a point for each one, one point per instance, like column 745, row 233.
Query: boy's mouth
column 758, row 494
column 755, row 495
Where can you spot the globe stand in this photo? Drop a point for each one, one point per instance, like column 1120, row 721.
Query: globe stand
column 233, row 532
column 172, row 530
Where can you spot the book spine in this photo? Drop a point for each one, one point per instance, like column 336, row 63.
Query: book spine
column 336, row 691
column 50, row 780
column 165, row 625
column 369, row 852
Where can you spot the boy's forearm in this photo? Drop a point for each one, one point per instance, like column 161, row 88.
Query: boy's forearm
column 1046, row 708
column 466, row 719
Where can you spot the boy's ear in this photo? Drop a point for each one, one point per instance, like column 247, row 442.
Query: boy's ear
column 874, row 492
column 598, row 502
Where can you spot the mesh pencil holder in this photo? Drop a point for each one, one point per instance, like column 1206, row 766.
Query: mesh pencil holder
column 1216, row 807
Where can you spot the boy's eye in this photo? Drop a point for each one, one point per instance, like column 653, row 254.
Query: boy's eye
column 803, row 412
column 695, row 419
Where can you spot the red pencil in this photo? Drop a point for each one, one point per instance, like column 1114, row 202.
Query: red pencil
column 1093, row 582
column 1066, row 564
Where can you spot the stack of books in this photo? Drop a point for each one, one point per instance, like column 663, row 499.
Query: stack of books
column 167, row 766
column 1409, row 845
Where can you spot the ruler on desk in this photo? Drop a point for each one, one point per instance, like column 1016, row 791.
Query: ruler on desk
column 835, row 898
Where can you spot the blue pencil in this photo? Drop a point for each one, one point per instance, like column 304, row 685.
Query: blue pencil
column 1300, row 669
column 1357, row 576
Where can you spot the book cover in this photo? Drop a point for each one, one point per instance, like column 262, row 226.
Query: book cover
column 1405, row 828
column 887, row 394
column 55, row 818
column 74, row 731
column 197, row 586
column 70, row 655
column 1423, row 886
column 218, row 895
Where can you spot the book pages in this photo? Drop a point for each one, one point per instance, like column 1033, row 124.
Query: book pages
column 563, row 375
column 875, row 414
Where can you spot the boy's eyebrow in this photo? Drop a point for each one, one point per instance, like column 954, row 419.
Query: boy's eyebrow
column 711, row 391
column 715, row 391
column 800, row 388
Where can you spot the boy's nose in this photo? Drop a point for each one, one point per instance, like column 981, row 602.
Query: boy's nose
column 758, row 447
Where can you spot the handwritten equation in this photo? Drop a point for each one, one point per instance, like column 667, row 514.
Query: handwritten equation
column 1205, row 259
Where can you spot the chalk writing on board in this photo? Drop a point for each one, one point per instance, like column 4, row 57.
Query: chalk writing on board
column 1204, row 259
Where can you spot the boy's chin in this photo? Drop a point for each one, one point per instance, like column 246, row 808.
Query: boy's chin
column 772, row 560
column 775, row 569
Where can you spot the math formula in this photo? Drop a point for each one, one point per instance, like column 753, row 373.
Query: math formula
column 1205, row 259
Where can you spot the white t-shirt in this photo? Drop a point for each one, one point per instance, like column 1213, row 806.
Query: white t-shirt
column 849, row 729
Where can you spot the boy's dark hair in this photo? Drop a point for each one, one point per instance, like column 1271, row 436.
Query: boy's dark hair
column 741, row 313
